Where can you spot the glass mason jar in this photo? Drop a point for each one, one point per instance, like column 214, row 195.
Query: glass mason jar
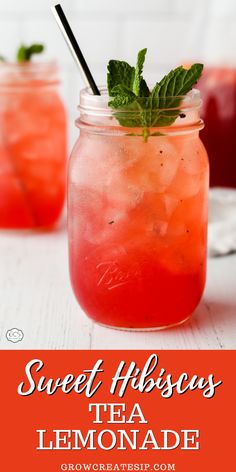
column 33, row 146
column 137, row 216
column 218, row 89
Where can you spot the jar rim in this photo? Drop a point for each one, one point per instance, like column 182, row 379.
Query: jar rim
column 28, row 64
column 42, row 73
column 164, row 115
column 98, row 104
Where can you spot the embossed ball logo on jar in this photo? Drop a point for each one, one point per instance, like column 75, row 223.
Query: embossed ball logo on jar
column 112, row 276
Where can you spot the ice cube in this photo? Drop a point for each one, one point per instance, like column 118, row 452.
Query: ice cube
column 171, row 202
column 160, row 228
column 193, row 159
column 156, row 166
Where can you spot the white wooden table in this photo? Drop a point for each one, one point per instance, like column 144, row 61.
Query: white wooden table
column 35, row 296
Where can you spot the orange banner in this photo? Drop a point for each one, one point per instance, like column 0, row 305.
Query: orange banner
column 121, row 411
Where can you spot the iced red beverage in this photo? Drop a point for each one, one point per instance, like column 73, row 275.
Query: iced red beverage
column 138, row 218
column 218, row 89
column 32, row 146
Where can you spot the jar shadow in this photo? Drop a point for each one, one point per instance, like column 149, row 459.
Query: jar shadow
column 212, row 315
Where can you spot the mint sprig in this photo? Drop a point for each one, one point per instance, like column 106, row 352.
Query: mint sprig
column 136, row 106
column 25, row 53
column 128, row 78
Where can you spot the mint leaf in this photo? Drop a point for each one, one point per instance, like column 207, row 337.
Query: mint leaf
column 144, row 90
column 138, row 79
column 119, row 73
column 169, row 92
column 122, row 96
column 24, row 53
column 178, row 82
column 129, row 109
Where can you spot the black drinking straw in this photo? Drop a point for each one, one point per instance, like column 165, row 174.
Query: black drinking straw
column 74, row 47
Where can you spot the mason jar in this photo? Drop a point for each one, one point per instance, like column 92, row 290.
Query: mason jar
column 218, row 89
column 33, row 147
column 137, row 216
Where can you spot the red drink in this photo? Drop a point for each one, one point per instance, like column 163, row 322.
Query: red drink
column 218, row 89
column 32, row 146
column 137, row 219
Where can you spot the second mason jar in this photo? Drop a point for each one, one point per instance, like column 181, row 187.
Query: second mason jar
column 137, row 217
column 218, row 89
column 33, row 146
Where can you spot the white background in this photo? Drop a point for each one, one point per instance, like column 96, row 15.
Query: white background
column 174, row 31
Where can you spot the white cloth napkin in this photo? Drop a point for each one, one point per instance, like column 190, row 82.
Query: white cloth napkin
column 222, row 222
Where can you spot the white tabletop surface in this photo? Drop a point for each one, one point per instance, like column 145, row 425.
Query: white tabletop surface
column 36, row 297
